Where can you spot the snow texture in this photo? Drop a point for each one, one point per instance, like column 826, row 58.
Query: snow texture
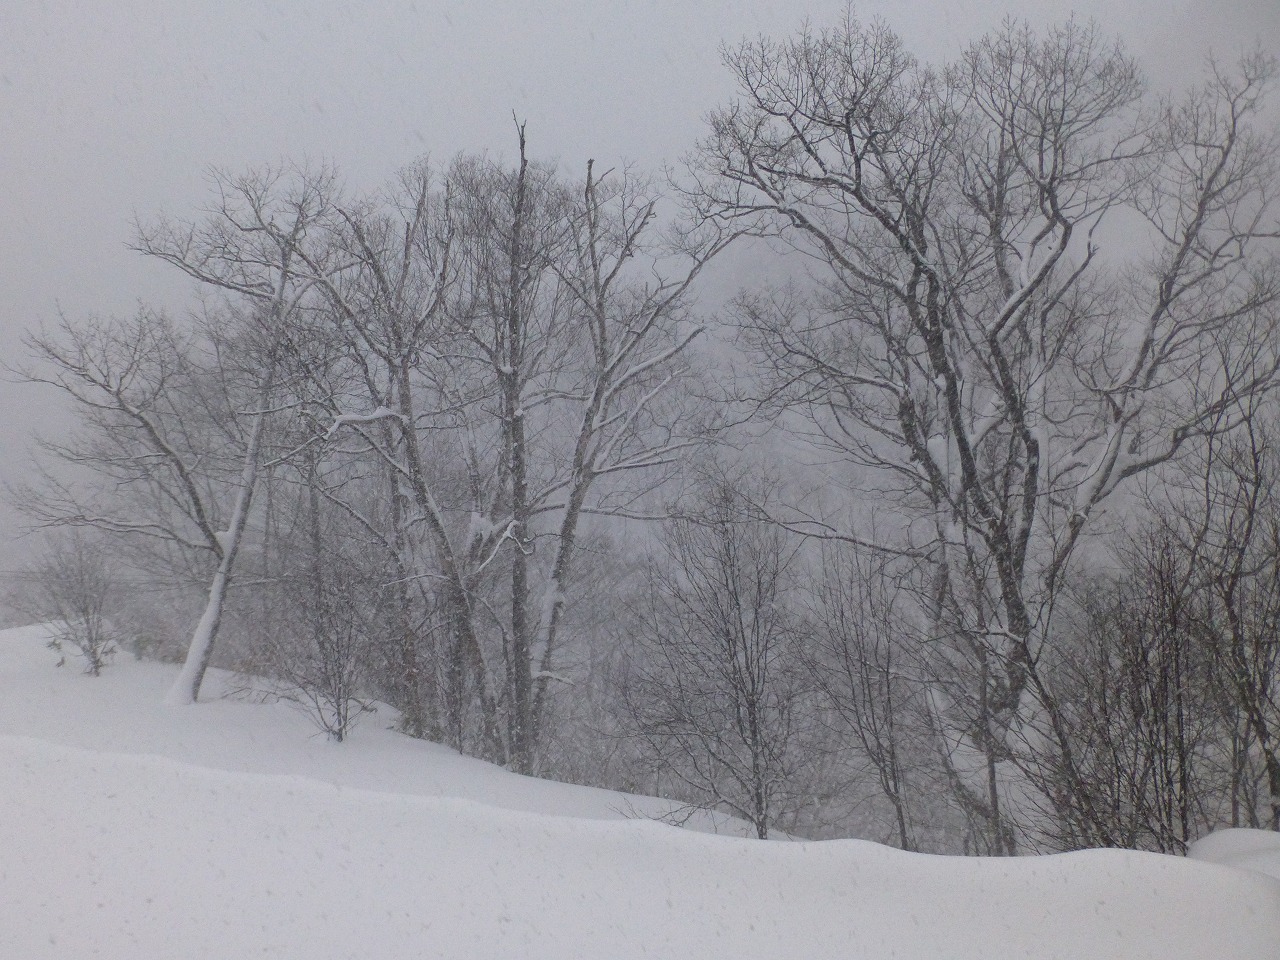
column 1246, row 849
column 132, row 830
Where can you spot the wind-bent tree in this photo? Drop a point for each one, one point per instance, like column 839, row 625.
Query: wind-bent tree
column 972, row 345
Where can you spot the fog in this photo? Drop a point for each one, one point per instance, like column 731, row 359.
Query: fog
column 112, row 112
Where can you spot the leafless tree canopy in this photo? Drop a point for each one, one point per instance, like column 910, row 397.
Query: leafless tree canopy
column 462, row 446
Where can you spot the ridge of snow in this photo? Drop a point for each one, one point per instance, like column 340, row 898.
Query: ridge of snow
column 132, row 830
column 1242, row 848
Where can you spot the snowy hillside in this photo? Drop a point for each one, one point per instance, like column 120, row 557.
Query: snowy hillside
column 132, row 830
column 1246, row 849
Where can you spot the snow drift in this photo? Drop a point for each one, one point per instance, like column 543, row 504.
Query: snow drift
column 132, row 830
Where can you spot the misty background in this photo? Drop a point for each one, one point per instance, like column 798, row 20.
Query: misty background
column 114, row 112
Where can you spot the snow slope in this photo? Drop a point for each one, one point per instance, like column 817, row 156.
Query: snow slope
column 122, row 711
column 1246, row 849
column 129, row 830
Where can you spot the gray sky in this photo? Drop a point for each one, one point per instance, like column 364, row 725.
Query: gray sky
column 111, row 110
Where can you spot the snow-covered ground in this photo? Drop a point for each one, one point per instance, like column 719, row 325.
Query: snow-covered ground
column 1246, row 849
column 133, row 830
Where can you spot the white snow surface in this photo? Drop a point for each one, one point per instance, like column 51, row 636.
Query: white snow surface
column 1246, row 849
column 129, row 829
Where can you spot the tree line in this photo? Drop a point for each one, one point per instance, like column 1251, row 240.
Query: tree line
column 962, row 538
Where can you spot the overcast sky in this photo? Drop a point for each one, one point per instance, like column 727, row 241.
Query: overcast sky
column 111, row 110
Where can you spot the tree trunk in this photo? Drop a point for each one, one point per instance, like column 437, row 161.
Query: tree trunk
column 186, row 689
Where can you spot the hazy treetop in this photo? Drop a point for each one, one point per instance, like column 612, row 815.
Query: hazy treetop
column 111, row 111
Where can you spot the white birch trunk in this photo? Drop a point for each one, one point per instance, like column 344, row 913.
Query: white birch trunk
column 186, row 689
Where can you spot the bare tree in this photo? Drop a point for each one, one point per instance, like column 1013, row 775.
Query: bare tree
column 1223, row 516
column 868, row 671
column 518, row 342
column 159, row 427
column 717, row 689
column 167, row 412
column 1133, row 677
column 969, row 344
column 246, row 247
column 73, row 587
column 1164, row 662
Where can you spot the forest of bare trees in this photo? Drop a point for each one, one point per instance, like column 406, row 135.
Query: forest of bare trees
column 963, row 536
